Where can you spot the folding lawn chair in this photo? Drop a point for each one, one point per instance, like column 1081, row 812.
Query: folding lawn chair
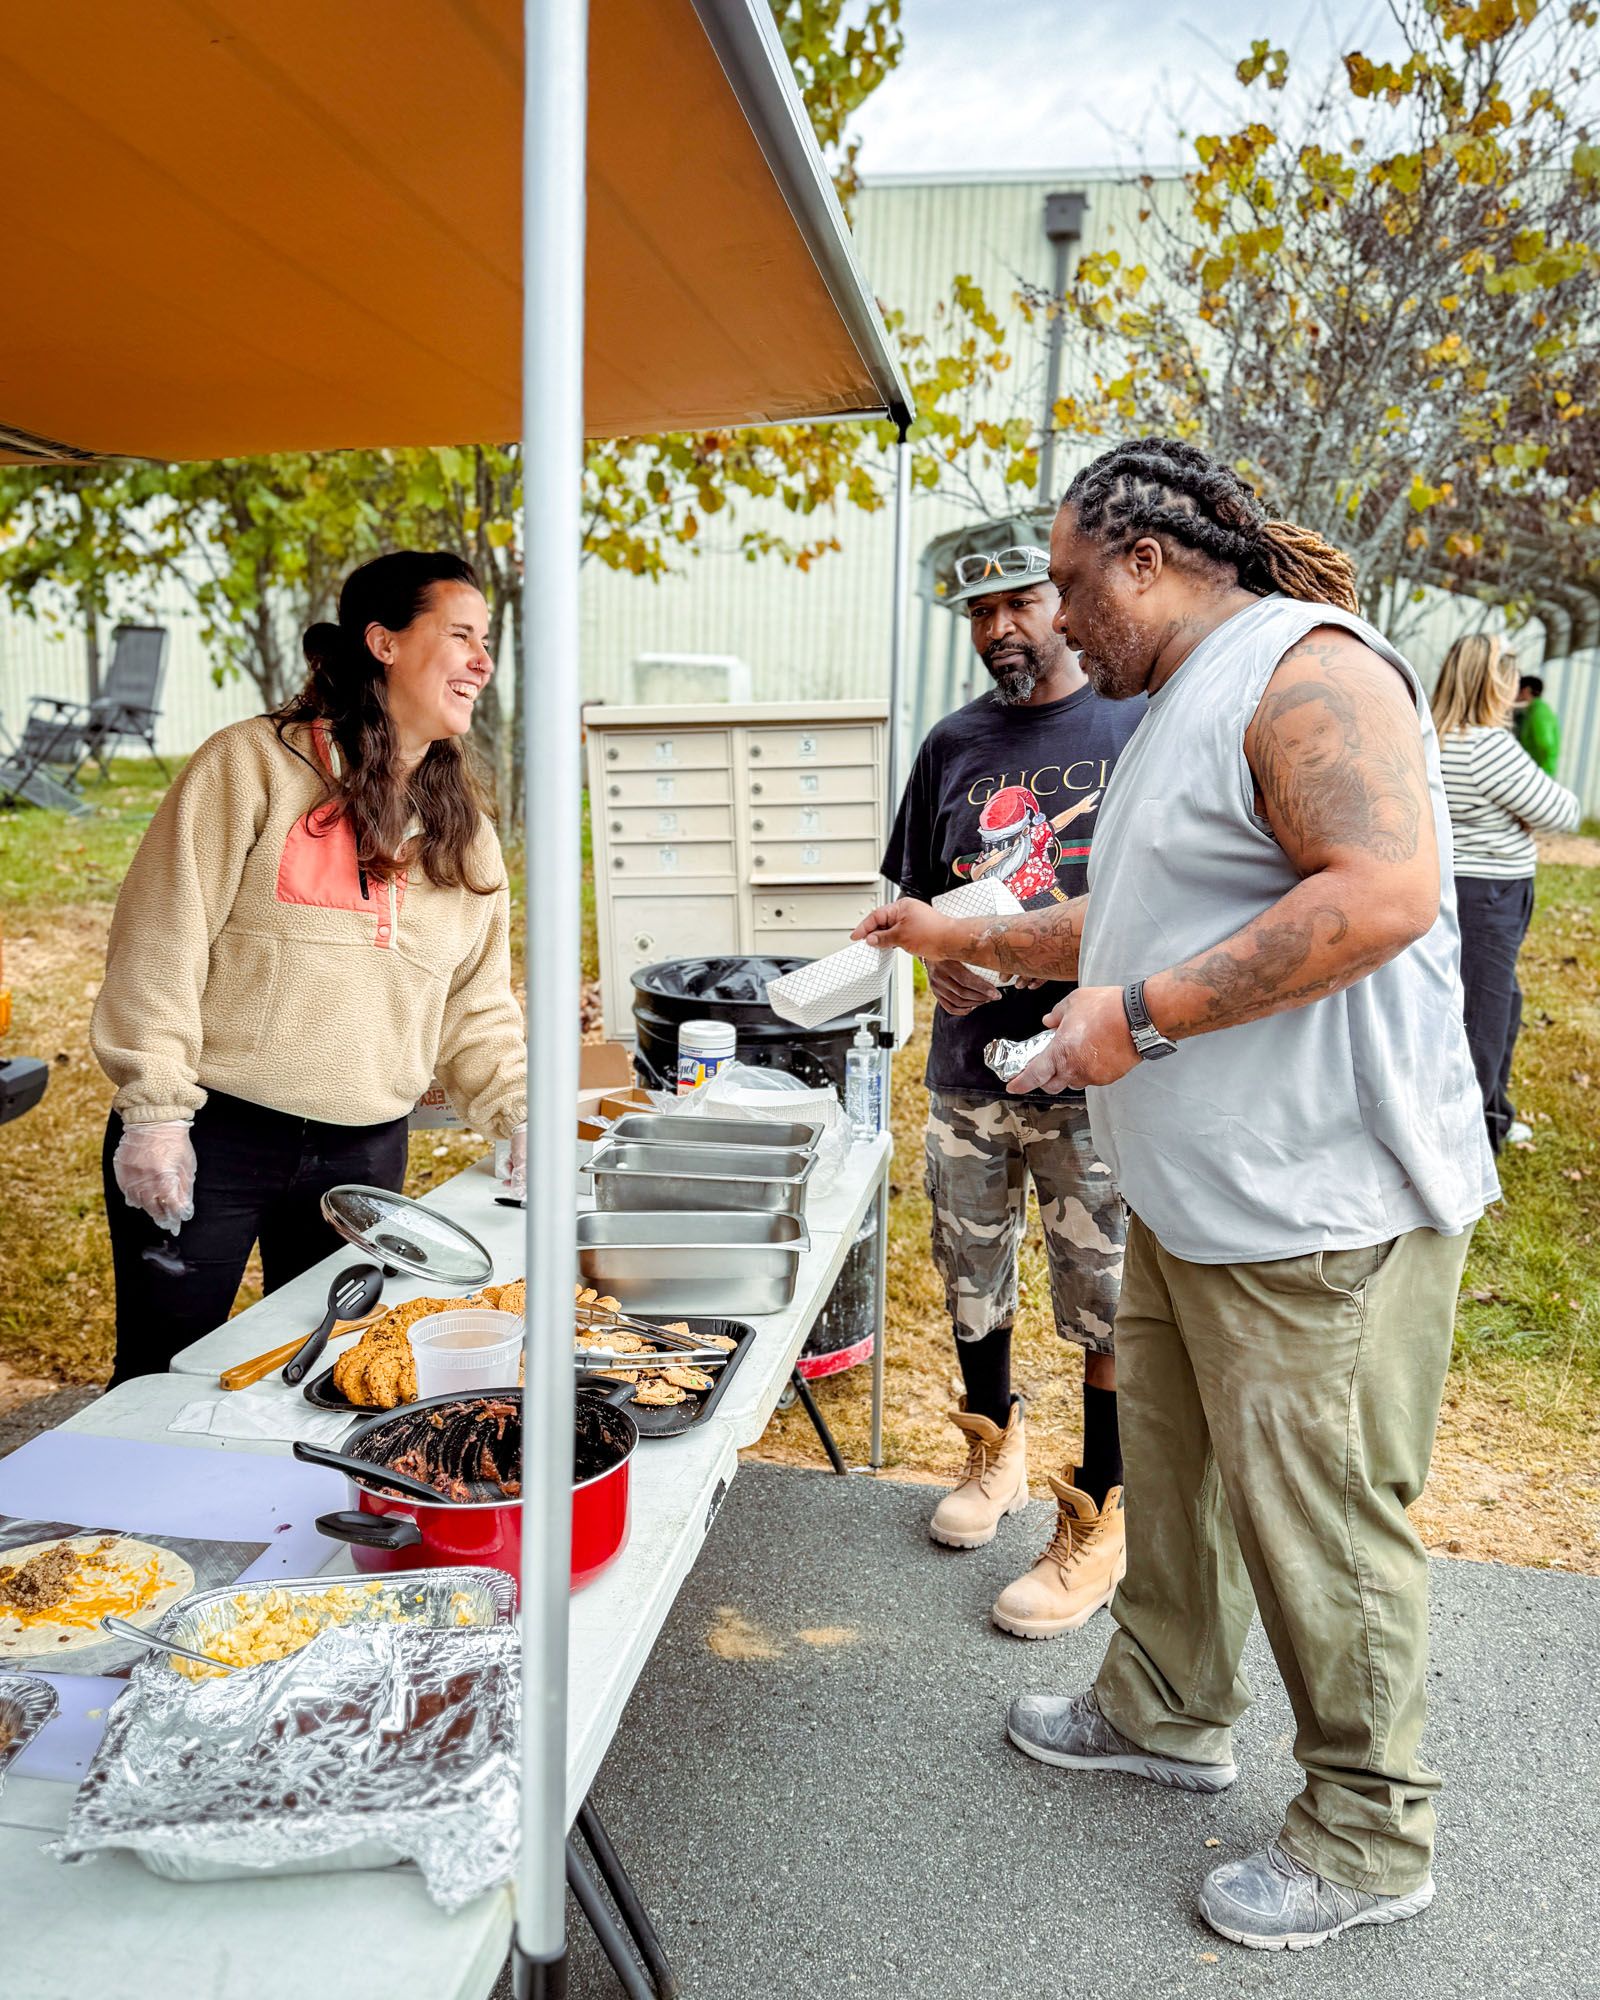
column 25, row 780
column 61, row 736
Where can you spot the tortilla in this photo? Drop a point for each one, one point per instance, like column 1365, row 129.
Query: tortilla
column 135, row 1580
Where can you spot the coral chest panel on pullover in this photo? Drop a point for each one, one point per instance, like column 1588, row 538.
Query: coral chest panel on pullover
column 250, row 953
column 1332, row 1126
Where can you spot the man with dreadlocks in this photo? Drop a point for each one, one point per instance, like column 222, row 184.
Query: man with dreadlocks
column 1268, row 1025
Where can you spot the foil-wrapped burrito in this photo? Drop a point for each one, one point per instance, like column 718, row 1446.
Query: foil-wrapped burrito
column 1010, row 1059
column 371, row 1745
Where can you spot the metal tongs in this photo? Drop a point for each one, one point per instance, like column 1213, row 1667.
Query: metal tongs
column 673, row 1357
column 593, row 1320
column 671, row 1349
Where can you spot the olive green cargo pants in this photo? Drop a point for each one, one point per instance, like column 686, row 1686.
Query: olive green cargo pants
column 1277, row 1420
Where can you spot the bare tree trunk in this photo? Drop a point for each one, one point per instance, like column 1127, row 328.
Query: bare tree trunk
column 91, row 648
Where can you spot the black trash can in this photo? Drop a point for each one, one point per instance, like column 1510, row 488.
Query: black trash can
column 675, row 990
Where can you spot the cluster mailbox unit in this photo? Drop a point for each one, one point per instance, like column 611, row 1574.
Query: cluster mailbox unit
column 731, row 828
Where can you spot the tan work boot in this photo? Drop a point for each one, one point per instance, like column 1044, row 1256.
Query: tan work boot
column 1077, row 1573
column 994, row 1484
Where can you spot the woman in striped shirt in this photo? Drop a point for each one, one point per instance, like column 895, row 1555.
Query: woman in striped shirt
column 1498, row 799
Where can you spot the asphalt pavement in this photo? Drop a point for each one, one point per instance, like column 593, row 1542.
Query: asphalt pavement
column 843, row 1816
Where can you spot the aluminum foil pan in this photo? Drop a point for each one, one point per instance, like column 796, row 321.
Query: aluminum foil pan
column 374, row 1743
column 449, row 1599
column 26, row 1705
column 1010, row 1059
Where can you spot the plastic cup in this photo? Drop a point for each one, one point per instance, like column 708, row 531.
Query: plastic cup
column 461, row 1353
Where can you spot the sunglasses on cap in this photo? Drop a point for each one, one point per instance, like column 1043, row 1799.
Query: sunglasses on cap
column 1012, row 562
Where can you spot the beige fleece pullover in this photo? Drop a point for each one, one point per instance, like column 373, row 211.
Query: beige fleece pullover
column 250, row 954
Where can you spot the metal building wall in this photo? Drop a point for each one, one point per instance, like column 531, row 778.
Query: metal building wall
column 824, row 635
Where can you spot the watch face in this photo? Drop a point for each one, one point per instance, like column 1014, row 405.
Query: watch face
column 1152, row 1044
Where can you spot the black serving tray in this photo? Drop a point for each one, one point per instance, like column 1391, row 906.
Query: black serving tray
column 670, row 1422
column 681, row 1417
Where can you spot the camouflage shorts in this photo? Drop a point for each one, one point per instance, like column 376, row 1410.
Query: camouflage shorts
column 981, row 1153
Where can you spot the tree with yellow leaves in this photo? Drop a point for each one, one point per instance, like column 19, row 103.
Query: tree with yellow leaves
column 1383, row 306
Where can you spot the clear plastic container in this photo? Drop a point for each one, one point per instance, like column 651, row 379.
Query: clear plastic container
column 459, row 1353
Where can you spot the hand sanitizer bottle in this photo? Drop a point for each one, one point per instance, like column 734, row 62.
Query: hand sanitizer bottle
column 863, row 1081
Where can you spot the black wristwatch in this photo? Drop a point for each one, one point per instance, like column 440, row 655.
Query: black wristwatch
column 1148, row 1039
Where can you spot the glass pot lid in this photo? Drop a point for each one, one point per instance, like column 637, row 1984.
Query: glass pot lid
column 404, row 1236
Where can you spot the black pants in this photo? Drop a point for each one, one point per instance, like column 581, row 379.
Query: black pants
column 1494, row 921
column 260, row 1176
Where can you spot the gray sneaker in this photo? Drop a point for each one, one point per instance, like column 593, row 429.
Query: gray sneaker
column 1070, row 1730
column 1271, row 1902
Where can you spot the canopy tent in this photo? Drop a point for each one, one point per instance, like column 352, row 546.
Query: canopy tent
column 271, row 225
column 249, row 226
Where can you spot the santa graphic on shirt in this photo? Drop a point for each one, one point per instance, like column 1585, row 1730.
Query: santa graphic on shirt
column 1020, row 847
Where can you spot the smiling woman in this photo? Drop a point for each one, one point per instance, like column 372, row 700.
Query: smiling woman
column 392, row 686
column 315, row 926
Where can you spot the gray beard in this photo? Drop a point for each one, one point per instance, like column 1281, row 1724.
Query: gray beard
column 1015, row 686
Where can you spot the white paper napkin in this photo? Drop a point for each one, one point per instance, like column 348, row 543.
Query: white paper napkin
column 261, row 1413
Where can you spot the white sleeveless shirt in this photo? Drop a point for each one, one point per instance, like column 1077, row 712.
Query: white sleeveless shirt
column 1333, row 1126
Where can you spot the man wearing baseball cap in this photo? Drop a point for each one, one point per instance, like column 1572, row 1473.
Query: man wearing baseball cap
column 1006, row 789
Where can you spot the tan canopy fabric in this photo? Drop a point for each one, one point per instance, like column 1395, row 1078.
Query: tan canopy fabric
column 245, row 226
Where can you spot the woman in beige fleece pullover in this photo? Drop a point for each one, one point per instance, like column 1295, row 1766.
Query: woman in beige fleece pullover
column 315, row 925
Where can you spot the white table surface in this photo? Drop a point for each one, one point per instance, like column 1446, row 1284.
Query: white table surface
column 673, row 1493
column 468, row 1198
column 255, row 1940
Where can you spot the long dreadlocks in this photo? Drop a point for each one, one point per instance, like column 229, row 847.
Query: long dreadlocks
column 1163, row 487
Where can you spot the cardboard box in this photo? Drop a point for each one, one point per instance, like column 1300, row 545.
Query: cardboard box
column 619, row 1103
column 604, row 1070
column 433, row 1112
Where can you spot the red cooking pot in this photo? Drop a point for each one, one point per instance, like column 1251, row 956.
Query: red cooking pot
column 478, row 1439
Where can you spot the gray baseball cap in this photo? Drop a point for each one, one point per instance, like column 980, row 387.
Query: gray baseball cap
column 995, row 555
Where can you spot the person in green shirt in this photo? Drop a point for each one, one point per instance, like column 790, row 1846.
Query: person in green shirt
column 1537, row 725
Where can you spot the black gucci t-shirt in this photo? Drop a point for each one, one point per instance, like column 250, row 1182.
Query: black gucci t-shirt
column 1011, row 793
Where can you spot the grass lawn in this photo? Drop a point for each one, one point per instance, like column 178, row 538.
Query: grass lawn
column 1517, row 1471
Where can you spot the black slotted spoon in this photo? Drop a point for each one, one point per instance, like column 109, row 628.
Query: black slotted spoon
column 353, row 1293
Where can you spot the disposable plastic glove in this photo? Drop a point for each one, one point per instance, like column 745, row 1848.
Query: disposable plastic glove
column 516, row 1181
column 154, row 1167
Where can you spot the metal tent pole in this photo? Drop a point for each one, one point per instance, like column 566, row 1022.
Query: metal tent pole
column 899, row 634
column 555, row 103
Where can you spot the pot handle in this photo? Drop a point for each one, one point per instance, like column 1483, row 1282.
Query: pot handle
column 370, row 1531
column 614, row 1393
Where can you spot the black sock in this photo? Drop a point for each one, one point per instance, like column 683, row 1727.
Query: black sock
column 1102, row 1448
column 986, row 1372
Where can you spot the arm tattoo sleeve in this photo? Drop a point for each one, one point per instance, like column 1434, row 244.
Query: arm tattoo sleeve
column 1038, row 945
column 1333, row 769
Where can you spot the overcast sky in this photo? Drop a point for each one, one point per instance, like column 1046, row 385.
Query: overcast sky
column 1075, row 83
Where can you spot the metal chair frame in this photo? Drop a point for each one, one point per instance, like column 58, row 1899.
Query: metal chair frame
column 61, row 736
